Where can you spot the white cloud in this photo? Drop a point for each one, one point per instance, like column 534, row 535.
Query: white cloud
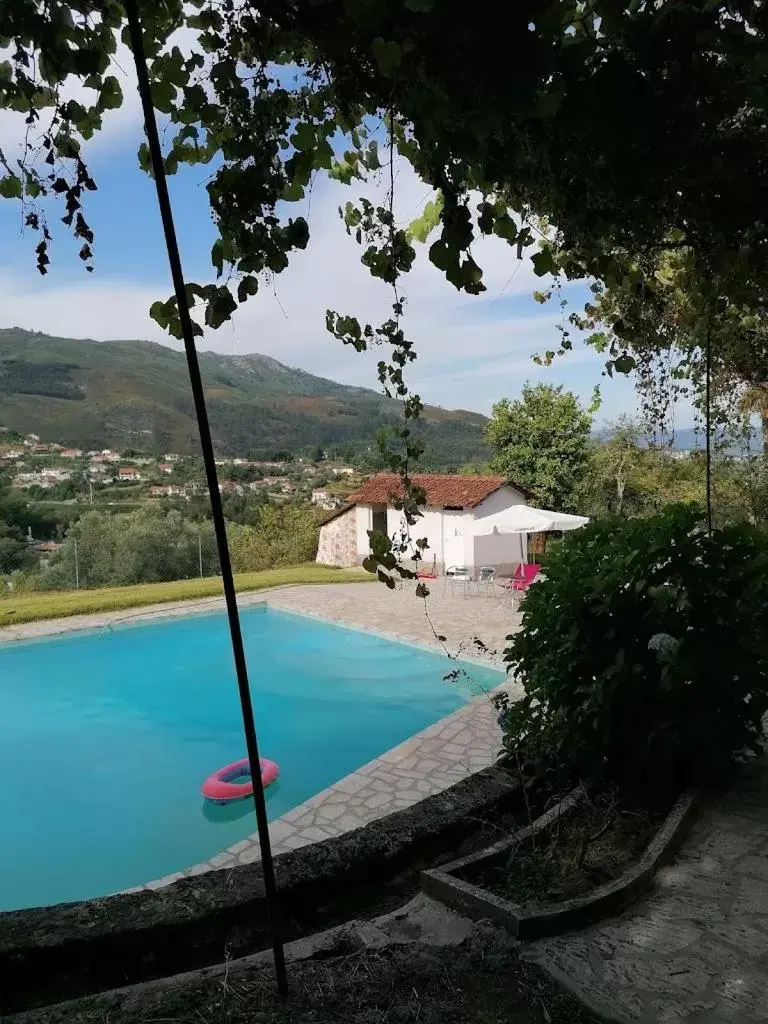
column 463, row 360
column 118, row 125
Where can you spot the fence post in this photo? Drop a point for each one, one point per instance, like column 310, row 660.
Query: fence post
column 200, row 552
column 77, row 567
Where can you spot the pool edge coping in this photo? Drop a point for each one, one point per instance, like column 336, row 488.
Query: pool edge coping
column 283, row 836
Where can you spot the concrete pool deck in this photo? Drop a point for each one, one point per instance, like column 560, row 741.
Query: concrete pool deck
column 472, row 629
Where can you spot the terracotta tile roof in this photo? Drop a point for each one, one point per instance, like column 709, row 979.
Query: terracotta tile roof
column 442, row 489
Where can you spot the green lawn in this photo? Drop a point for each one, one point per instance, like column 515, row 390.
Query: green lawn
column 31, row 607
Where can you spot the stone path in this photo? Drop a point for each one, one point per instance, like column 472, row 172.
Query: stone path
column 695, row 949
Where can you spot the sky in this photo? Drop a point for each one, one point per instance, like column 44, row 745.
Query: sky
column 472, row 350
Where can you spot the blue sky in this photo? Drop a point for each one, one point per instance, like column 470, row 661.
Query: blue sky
column 472, row 350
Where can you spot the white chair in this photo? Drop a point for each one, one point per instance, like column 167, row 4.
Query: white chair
column 486, row 581
column 457, row 576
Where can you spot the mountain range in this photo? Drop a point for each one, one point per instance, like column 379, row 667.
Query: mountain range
column 95, row 394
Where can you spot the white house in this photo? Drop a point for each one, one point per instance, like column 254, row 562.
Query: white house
column 454, row 506
column 323, row 499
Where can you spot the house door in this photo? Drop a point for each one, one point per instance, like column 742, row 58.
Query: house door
column 453, row 538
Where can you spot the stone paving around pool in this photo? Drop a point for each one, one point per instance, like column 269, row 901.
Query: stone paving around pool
column 442, row 754
column 474, row 628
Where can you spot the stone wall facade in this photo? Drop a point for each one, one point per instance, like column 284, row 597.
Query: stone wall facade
column 338, row 541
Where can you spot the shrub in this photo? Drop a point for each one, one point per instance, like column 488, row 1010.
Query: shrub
column 285, row 536
column 643, row 654
column 145, row 546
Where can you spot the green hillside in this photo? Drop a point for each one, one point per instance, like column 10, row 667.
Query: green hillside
column 91, row 394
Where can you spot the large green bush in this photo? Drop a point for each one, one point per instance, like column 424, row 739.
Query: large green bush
column 285, row 535
column 644, row 653
column 145, row 546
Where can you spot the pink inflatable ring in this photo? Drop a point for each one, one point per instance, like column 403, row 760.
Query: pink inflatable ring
column 222, row 788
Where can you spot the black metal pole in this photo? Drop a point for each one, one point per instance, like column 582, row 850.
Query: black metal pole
column 708, row 415
column 238, row 652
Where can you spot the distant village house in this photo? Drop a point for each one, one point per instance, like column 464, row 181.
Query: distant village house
column 323, row 499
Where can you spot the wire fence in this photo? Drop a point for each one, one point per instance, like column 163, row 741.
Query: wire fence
column 104, row 550
column 85, row 563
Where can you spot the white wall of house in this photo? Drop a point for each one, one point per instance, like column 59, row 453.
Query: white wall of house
column 450, row 533
column 502, row 551
column 363, row 523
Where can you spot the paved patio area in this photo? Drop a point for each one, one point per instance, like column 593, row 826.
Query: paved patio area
column 370, row 606
column 401, row 615
column 471, row 628
column 695, row 949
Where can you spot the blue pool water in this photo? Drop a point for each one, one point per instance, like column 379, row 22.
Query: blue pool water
column 106, row 737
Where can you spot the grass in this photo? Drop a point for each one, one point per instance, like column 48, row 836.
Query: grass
column 482, row 981
column 35, row 606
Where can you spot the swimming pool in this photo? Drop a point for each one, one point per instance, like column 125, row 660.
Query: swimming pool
column 106, row 737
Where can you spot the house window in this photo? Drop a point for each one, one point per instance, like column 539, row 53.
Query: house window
column 379, row 521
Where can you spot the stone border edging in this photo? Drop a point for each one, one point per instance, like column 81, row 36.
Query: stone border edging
column 566, row 985
column 50, row 954
column 526, row 923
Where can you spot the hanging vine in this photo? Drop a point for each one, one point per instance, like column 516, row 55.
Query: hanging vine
column 389, row 254
column 272, row 93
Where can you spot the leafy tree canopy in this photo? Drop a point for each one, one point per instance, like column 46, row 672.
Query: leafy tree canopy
column 604, row 130
column 541, row 441
column 626, row 124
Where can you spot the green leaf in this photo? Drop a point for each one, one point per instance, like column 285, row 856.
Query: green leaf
column 163, row 96
column 384, row 578
column 304, row 137
column 110, row 95
column 220, row 307
column 371, row 156
column 442, row 255
column 159, row 313
column 293, row 192
column 145, row 161
column 624, row 363
column 388, row 55
column 544, row 262
column 323, row 154
column 248, row 286
column 217, row 256
column 420, row 6
column 420, row 229
column 10, row 187
column 505, row 228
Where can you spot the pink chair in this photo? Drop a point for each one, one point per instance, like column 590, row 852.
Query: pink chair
column 523, row 577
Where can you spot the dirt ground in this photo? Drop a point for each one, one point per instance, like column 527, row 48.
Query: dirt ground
column 481, row 981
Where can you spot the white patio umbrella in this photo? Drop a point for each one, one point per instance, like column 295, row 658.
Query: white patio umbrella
column 525, row 519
